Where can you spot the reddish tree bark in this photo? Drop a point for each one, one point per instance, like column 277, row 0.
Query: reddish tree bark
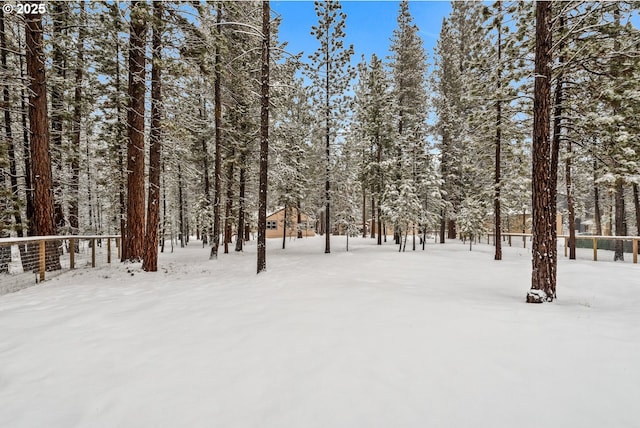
column 264, row 138
column 39, row 130
column 150, row 263
column 134, row 242
column 543, row 273
column 217, row 168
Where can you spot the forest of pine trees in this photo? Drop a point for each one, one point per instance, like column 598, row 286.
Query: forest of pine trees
column 163, row 121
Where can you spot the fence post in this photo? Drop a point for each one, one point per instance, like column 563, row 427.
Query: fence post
column 509, row 240
column 635, row 251
column 108, row 250
column 595, row 249
column 93, row 252
column 42, row 262
column 118, row 244
column 566, row 240
column 524, row 241
column 72, row 253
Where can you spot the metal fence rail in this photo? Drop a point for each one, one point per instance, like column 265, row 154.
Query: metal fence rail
column 630, row 243
column 27, row 261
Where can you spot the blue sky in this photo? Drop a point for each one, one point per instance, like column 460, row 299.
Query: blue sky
column 369, row 26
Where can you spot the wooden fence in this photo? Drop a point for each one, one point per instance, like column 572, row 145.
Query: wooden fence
column 633, row 239
column 38, row 253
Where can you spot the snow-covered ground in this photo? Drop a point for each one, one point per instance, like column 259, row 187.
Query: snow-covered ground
column 368, row 338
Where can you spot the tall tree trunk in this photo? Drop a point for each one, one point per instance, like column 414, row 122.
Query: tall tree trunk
column 373, row 216
column 7, row 203
column 99, row 214
column 59, row 13
column 451, row 229
column 89, row 193
column 11, row 150
column 379, row 215
column 264, row 137
column 379, row 190
column 555, row 155
column 180, row 207
column 636, row 205
column 610, row 213
column 74, row 201
column 241, row 202
column 164, row 209
column 39, row 130
column 299, row 219
column 406, row 234
column 135, row 124
column 570, row 204
column 122, row 204
column 229, row 201
column 150, row 263
column 443, row 221
column 218, row 140
column 26, row 151
column 497, row 184
column 206, row 226
column 542, row 274
column 364, row 212
column 327, row 182
column 619, row 183
column 284, row 227
column 444, row 166
column 413, row 235
column 620, row 219
column 596, row 200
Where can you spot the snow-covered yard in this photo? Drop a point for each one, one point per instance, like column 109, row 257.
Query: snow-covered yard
column 368, row 338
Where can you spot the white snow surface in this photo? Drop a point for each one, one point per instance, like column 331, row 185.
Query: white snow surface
column 368, row 338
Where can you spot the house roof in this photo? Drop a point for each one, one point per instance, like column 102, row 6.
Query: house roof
column 269, row 214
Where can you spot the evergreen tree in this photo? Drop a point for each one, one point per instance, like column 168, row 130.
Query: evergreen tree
column 346, row 201
column 39, row 130
column 409, row 65
column 133, row 248
column 472, row 218
column 456, row 55
column 373, row 123
column 76, row 125
column 331, row 74
column 150, row 263
column 291, row 131
column 543, row 275
column 264, row 136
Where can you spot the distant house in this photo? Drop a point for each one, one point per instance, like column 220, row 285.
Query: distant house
column 276, row 224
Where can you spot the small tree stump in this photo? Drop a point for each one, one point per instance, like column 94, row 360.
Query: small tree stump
column 537, row 296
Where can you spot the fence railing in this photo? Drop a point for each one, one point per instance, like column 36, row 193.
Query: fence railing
column 21, row 258
column 593, row 238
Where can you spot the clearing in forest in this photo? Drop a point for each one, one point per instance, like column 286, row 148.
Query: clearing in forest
column 368, row 338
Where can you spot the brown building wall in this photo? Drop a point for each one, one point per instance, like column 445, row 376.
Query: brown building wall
column 275, row 224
